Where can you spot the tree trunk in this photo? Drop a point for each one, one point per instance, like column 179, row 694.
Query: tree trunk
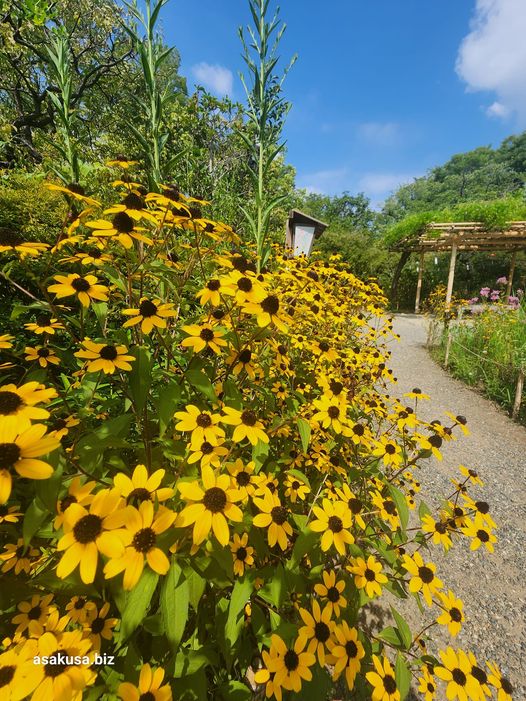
column 396, row 277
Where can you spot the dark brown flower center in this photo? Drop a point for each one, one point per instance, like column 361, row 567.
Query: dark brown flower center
column 87, row 529
column 389, row 684
column 122, row 222
column 295, row 485
column 248, row 417
column 213, row 285
column 425, row 574
column 207, row 448
column 335, row 386
column 243, row 478
column 333, row 594
column 76, row 188
column 43, row 352
column 55, row 670
column 204, row 420
column 506, row 686
column 390, row 449
column 34, row 613
column 138, row 495
column 67, row 501
column 333, row 412
column 390, row 507
column 279, row 515
column 335, row 524
column 358, row 430
column 241, row 554
column 207, row 335
column 147, row 695
column 458, row 676
column 482, row 507
column 9, row 455
column 244, row 284
column 215, row 500
column 479, row 674
column 133, row 201
column 369, row 575
column 144, row 540
column 291, row 660
column 482, row 535
column 9, row 402
column 245, row 356
column 108, row 353
column 455, row 614
column 97, row 625
column 79, row 284
column 147, row 308
column 6, row 675
column 79, row 603
column 270, row 305
column 351, row 649
column 355, row 505
column 324, row 346
column 435, row 441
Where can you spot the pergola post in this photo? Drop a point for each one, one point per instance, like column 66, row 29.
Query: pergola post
column 451, row 277
column 510, row 275
column 419, row 283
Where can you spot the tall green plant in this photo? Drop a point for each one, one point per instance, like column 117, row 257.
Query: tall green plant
column 153, row 55
column 266, row 111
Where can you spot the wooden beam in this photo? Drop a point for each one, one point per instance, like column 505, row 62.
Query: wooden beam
column 510, row 275
column 419, row 283
column 451, row 277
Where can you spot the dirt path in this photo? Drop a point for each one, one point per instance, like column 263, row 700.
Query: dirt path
column 493, row 587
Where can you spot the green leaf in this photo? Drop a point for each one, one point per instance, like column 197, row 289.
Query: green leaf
column 167, row 404
column 137, row 603
column 392, row 636
column 305, row 542
column 423, row 510
column 402, row 676
column 48, row 490
column 259, row 454
column 301, row 477
column 196, row 586
column 140, row 377
column 235, row 691
column 240, row 596
column 201, row 382
column 304, row 431
column 403, row 629
column 33, row 519
column 189, row 662
column 174, row 604
column 274, row 591
column 401, row 505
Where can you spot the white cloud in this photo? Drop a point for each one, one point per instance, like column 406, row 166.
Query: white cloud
column 323, row 181
column 378, row 185
column 492, row 56
column 380, row 133
column 214, row 77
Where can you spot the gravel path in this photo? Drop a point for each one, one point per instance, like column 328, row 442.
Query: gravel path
column 492, row 586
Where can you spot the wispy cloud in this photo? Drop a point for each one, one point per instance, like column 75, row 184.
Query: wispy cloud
column 380, row 133
column 323, row 181
column 493, row 55
column 216, row 78
column 380, row 185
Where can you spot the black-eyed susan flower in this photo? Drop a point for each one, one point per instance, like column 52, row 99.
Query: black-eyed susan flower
column 149, row 688
column 456, row 671
column 68, row 668
column 79, row 492
column 44, row 324
column 13, row 241
column 334, row 520
column 417, row 393
column 389, row 451
column 317, row 630
column 387, row 509
column 19, row 452
column 143, row 525
column 203, row 336
column 211, row 292
column 44, row 355
column 75, row 191
column 86, row 288
column 480, row 533
column 19, row 557
column 499, row 682
column 459, row 421
column 211, row 506
column 149, row 314
column 471, row 475
column 98, row 626
column 202, row 424
column 141, row 486
column 368, row 575
column 452, row 615
column 134, row 206
column 33, row 615
column 121, row 162
column 427, row 684
column 122, row 228
column 244, row 479
column 290, row 665
column 268, row 311
column 264, row 676
column 86, row 533
column 207, row 453
column 94, row 255
column 383, row 681
column 9, row 514
column 346, row 653
column 105, row 357
column 243, row 286
column 244, row 360
column 332, row 590
column 481, row 678
column 331, row 413
column 60, row 426
column 6, row 341
column 246, row 425
column 17, row 672
column 80, row 609
column 439, row 530
column 355, row 505
column 242, row 553
column 295, row 488
column 18, row 404
column 423, row 577
column 274, row 517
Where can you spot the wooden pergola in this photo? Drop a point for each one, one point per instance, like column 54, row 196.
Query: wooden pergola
column 463, row 236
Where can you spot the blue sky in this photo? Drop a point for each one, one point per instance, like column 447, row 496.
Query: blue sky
column 382, row 90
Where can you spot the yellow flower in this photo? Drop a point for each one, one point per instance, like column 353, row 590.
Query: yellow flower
column 346, row 653
column 81, row 609
column 9, row 514
column 13, row 241
column 211, row 292
column 19, row 453
column 387, row 509
column 17, row 672
column 355, row 505
column 368, row 575
column 439, row 529
column 85, row 288
column 78, row 493
column 149, row 686
column 105, row 357
column 143, row 526
column 389, row 451
column 246, row 482
column 316, row 631
column 267, row 311
column 122, row 228
column 480, row 533
column 290, row 665
column 201, row 337
column 383, row 681
column 141, row 486
column 452, row 616
column 17, row 404
column 86, row 533
column 247, row 425
column 121, row 162
column 75, row 191
column 33, row 615
column 202, row 424
column 333, row 520
column 44, row 324
column 428, row 685
column 6, row 340
column 331, row 413
column 500, row 683
column 244, row 287
column 149, row 314
column 332, row 591
column 97, row 626
column 471, row 475
column 422, row 576
column 19, row 557
column 208, row 453
column 242, row 553
column 210, row 507
column 295, row 489
column 417, row 393
column 274, row 517
column 456, row 671
column 60, row 427
column 43, row 354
